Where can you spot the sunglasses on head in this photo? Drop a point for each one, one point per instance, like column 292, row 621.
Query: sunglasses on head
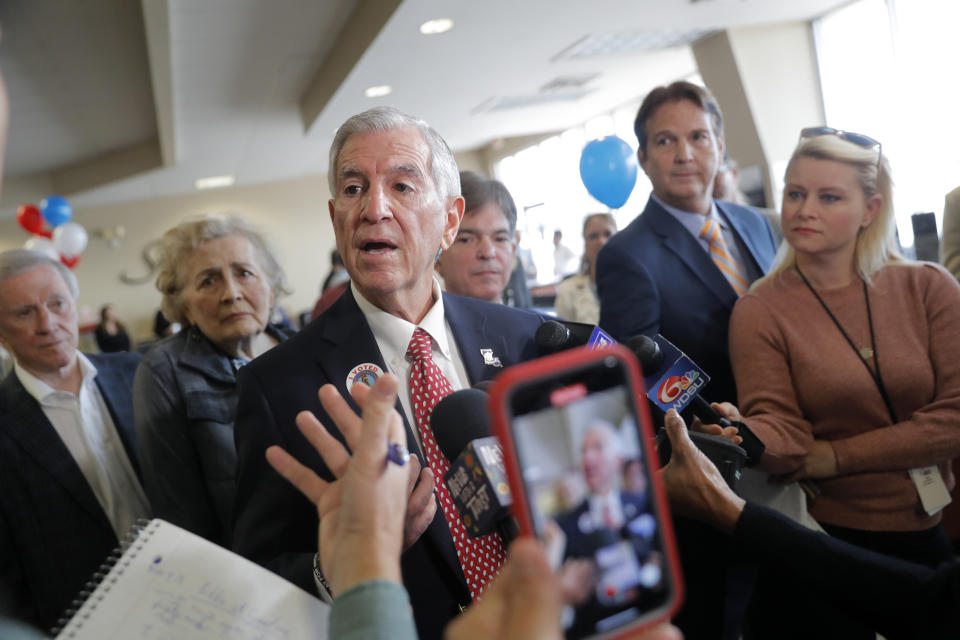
column 855, row 138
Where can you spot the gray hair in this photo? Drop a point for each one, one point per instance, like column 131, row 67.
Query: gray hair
column 611, row 434
column 178, row 242
column 443, row 166
column 17, row 261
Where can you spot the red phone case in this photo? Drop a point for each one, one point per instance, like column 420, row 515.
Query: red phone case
column 547, row 367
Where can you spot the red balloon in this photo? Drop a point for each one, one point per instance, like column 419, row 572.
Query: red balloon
column 71, row 262
column 30, row 219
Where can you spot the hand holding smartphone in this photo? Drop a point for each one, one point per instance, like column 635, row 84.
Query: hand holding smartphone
column 580, row 461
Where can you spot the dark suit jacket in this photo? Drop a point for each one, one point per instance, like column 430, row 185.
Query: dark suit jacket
column 185, row 401
column 274, row 524
column 583, row 540
column 53, row 532
column 654, row 277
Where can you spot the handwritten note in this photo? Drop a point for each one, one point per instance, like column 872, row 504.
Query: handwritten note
column 174, row 585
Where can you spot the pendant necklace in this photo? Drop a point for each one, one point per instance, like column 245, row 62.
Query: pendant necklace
column 865, row 353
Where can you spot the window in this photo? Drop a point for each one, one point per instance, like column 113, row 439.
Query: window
column 886, row 71
column 545, row 183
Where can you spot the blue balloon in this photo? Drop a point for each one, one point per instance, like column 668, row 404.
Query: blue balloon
column 56, row 210
column 608, row 168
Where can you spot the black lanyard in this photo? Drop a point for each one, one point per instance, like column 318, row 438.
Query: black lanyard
column 875, row 375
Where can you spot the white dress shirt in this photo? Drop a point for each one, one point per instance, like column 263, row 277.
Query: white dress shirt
column 602, row 506
column 393, row 336
column 84, row 424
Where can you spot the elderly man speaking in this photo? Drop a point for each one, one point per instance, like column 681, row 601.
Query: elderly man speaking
column 396, row 205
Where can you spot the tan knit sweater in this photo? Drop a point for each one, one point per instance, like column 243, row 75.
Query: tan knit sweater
column 798, row 379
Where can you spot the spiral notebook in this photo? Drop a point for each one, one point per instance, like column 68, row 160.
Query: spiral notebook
column 165, row 583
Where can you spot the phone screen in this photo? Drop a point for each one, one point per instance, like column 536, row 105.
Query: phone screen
column 591, row 496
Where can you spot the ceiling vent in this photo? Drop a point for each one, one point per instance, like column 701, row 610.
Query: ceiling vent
column 567, row 88
column 499, row 103
column 626, row 42
column 564, row 83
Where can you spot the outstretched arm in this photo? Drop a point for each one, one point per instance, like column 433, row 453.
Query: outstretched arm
column 899, row 599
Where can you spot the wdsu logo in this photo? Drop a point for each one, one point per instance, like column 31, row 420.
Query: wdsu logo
column 676, row 391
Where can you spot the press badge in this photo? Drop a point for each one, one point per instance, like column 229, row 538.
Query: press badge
column 931, row 487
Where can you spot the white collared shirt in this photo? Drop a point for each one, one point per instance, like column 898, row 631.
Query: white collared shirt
column 393, row 336
column 84, row 424
column 598, row 504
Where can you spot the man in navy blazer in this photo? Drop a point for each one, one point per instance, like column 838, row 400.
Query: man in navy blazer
column 68, row 470
column 677, row 270
column 657, row 275
column 396, row 204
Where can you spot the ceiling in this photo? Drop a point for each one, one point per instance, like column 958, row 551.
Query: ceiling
column 119, row 100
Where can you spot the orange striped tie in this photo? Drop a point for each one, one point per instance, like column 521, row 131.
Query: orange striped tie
column 721, row 258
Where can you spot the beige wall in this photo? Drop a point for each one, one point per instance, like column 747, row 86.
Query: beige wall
column 721, row 72
column 472, row 161
column 766, row 81
column 779, row 69
column 292, row 214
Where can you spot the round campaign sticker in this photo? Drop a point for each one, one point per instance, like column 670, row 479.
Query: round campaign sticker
column 367, row 373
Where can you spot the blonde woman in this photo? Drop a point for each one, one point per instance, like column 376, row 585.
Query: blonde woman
column 846, row 356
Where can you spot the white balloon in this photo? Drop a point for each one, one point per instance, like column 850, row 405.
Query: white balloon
column 42, row 245
column 70, row 239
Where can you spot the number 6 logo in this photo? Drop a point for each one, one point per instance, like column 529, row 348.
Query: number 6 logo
column 670, row 389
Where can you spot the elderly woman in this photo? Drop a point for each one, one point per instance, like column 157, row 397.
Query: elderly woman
column 577, row 295
column 847, row 359
column 219, row 279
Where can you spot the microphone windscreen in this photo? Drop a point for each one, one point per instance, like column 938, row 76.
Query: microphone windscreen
column 552, row 336
column 459, row 418
column 647, row 351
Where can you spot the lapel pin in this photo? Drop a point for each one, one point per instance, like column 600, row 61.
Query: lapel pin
column 490, row 359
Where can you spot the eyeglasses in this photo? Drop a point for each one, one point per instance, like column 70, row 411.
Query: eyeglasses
column 856, row 138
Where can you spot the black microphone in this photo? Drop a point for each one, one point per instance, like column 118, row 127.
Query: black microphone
column 673, row 381
column 558, row 335
column 459, row 418
column 477, row 478
column 483, row 385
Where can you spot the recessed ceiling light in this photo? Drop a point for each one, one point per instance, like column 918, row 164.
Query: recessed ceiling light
column 214, row 181
column 433, row 27
column 378, row 91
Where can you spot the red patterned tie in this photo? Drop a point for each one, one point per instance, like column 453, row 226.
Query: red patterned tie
column 482, row 557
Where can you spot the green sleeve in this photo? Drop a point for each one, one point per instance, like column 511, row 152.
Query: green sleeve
column 372, row 610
